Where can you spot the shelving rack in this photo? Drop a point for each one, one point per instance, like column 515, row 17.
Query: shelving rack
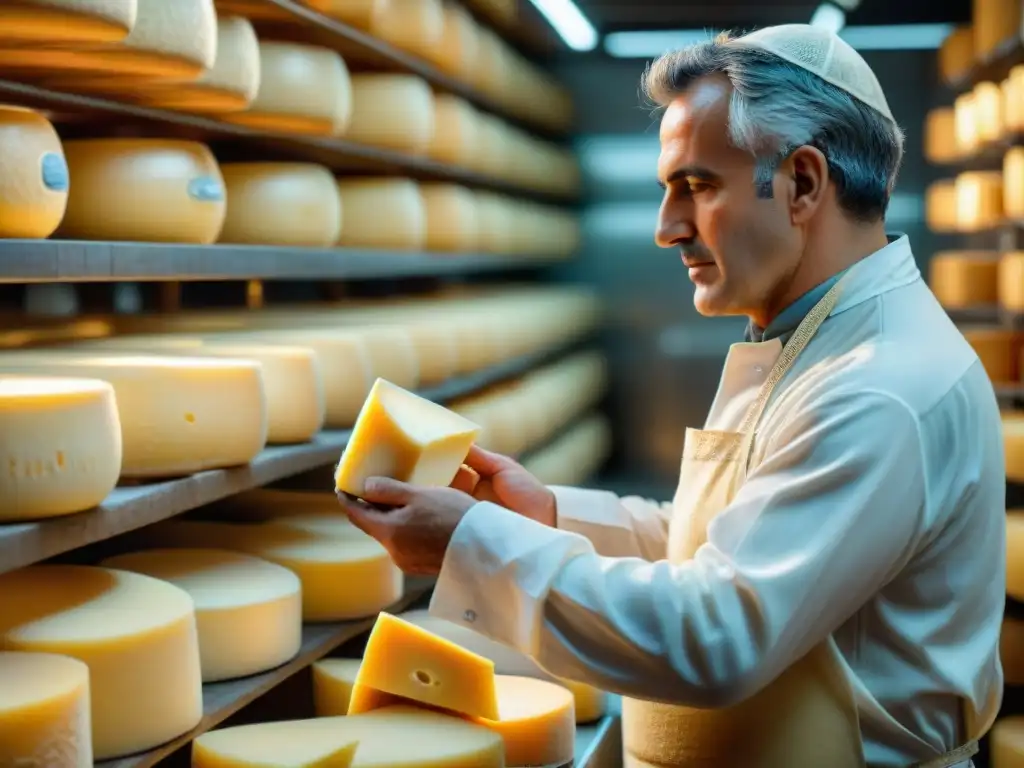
column 131, row 507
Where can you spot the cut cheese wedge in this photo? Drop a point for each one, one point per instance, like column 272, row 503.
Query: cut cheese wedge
column 382, row 213
column 66, row 21
column 178, row 415
column 34, row 184
column 229, row 85
column 333, row 680
column 392, row 111
column 44, row 712
column 536, row 721
column 293, row 204
column 398, row 737
column 403, row 436
column 345, row 574
column 404, row 660
column 248, row 611
column 998, row 349
column 61, row 441
column 451, row 216
column 152, row 190
column 961, row 279
column 303, row 89
column 456, row 131
column 136, row 634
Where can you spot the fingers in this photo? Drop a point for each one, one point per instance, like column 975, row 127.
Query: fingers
column 372, row 522
column 465, row 480
column 486, row 463
column 384, row 490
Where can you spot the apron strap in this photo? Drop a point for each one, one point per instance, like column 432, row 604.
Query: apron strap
column 957, row 756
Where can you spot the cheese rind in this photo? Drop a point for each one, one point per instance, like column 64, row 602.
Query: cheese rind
column 404, row 660
column 403, row 436
column 248, row 610
column 393, row 111
column 536, row 721
column 34, row 183
column 67, row 21
column 451, row 217
column 60, row 442
column 44, row 712
column 136, row 634
column 382, row 213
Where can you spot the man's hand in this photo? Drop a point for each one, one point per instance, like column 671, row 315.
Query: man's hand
column 417, row 530
column 492, row 477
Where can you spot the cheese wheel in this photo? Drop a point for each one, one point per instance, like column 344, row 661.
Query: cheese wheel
column 1014, row 549
column 382, row 213
column 997, row 348
column 451, row 217
column 1013, row 182
column 1013, row 100
column 979, row 200
column 456, row 49
column 991, row 20
column 988, row 108
column 358, row 13
column 1011, row 281
column 333, row 680
column 940, row 140
column 493, row 156
column 589, row 703
column 178, row 415
column 941, row 206
column 151, row 190
column 344, row 573
column 536, row 721
column 416, row 26
column 968, row 138
column 228, row 86
column 248, row 611
column 44, row 712
column 456, row 131
column 496, row 223
column 66, row 21
column 1011, row 648
column 61, row 443
column 136, row 634
column 168, row 41
column 407, row 661
column 294, row 204
column 1013, row 445
column 392, row 111
column 1006, row 743
column 401, row 435
column 303, row 89
column 962, row 279
column 34, row 184
column 398, row 736
column 956, row 54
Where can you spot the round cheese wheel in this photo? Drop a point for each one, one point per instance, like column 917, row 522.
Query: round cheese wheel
column 1013, row 182
column 1013, row 447
column 295, row 204
column 153, row 190
column 416, row 26
column 457, row 125
column 44, row 711
column 61, row 439
column 940, row 144
column 493, row 156
column 303, row 89
column 230, row 85
column 536, row 721
column 1011, row 648
column 979, row 200
column 392, row 111
column 491, row 64
column 248, row 611
column 967, row 136
column 358, row 13
column 1006, row 743
column 997, row 349
column 34, row 184
column 333, row 680
column 136, row 634
column 382, row 213
column 457, row 48
column 1013, row 100
column 1011, row 281
column 496, row 225
column 940, row 206
column 962, row 279
column 451, row 216
column 66, row 21
column 988, row 111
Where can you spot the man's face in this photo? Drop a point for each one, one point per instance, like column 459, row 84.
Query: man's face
column 741, row 250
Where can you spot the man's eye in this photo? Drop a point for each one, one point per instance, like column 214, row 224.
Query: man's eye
column 696, row 185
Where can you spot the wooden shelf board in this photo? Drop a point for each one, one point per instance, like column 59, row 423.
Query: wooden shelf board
column 39, row 261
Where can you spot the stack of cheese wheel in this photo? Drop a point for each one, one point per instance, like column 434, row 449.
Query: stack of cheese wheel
column 956, row 55
column 963, row 279
column 34, row 185
column 344, row 573
column 998, row 349
column 940, row 206
column 62, row 440
column 979, row 200
column 136, row 634
column 1011, row 281
column 940, row 138
column 178, row 415
column 573, row 457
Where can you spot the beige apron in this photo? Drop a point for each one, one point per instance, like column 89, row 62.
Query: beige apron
column 806, row 718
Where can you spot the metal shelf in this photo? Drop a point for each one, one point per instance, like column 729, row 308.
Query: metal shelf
column 240, row 141
column 39, row 261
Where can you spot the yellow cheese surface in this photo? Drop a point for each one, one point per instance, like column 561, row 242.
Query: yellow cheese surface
column 956, row 55
column 403, row 436
column 451, row 216
column 1013, row 183
column 1011, row 281
column 356, row 12
column 44, row 712
column 941, row 206
column 1013, row 445
column 416, row 26
column 402, row 659
column 997, row 348
column 536, row 721
column 394, row 111
column 457, row 49
column 67, row 21
column 178, row 414
column 397, row 737
column 153, row 190
column 940, row 145
column 136, row 634
column 979, row 200
column 333, row 680
column 988, row 107
column 344, row 573
column 961, row 279
column 34, row 183
column 1013, row 101
column 60, row 445
column 1006, row 743
column 248, row 611
column 382, row 213
column 456, row 131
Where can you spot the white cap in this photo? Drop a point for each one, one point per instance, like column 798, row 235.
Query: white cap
column 824, row 54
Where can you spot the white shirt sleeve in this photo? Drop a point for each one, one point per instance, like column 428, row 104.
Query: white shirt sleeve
column 617, row 527
column 824, row 522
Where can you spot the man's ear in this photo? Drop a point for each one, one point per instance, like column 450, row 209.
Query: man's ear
column 807, row 170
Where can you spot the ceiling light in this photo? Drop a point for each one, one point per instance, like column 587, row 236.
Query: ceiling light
column 569, row 22
column 830, row 17
column 847, row 5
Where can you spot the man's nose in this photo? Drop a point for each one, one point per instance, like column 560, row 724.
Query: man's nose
column 675, row 225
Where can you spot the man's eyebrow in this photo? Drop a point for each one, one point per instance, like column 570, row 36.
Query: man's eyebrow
column 694, row 171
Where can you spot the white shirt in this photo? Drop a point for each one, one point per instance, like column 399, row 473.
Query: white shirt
column 874, row 513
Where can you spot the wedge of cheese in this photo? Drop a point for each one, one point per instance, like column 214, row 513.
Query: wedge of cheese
column 34, row 184
column 403, row 436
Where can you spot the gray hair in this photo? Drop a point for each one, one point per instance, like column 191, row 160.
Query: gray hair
column 777, row 107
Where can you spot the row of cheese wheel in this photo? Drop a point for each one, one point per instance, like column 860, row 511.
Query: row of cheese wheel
column 988, row 114
column 978, row 279
column 181, row 55
column 76, row 419
column 993, row 24
column 977, row 200
column 156, row 190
